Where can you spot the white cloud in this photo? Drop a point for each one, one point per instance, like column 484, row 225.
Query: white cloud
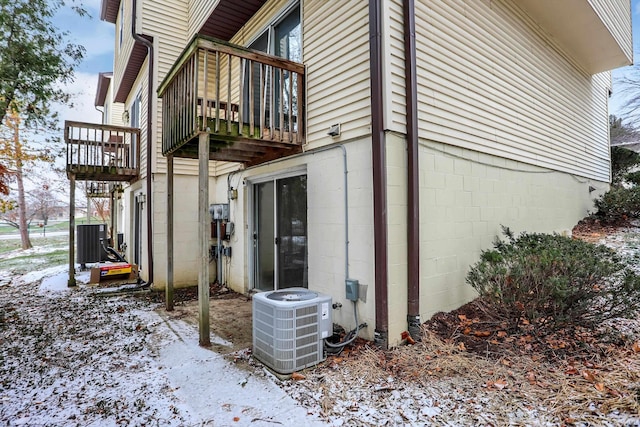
column 83, row 92
column 97, row 42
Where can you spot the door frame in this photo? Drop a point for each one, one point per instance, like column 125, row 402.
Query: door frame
column 137, row 225
column 250, row 183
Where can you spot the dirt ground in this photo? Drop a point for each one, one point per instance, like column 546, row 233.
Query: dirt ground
column 229, row 314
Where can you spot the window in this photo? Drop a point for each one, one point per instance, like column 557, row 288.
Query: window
column 135, row 111
column 121, row 31
column 281, row 38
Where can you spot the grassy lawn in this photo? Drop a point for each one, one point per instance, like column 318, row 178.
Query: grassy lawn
column 36, row 241
column 53, row 226
column 26, row 263
column 46, row 252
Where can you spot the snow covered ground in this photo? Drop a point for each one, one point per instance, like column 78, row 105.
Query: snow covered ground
column 72, row 358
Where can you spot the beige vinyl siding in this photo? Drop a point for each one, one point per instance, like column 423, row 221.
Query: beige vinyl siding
column 336, row 54
column 140, row 86
column 167, row 23
column 259, row 22
column 394, row 84
column 615, row 16
column 491, row 81
column 123, row 49
column 199, row 11
column 115, row 114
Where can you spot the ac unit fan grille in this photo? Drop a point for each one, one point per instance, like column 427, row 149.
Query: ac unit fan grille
column 286, row 334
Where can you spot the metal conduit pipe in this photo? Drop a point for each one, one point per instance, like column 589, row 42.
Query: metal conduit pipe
column 150, row 94
column 379, row 176
column 346, row 202
column 357, row 327
column 413, row 177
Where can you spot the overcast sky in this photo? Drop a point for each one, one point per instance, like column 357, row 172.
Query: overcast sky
column 98, row 39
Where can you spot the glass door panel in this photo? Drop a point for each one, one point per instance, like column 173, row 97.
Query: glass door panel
column 264, row 236
column 292, row 232
column 280, row 234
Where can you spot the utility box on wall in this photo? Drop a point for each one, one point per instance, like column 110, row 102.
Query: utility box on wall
column 89, row 247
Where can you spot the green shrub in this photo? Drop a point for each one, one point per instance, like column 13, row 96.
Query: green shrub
column 553, row 281
column 633, row 178
column 618, row 204
column 622, row 161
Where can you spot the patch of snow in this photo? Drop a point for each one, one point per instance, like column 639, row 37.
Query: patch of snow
column 38, row 275
column 217, row 391
column 55, row 283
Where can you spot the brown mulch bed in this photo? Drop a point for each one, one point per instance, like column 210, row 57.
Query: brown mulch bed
column 591, row 229
column 579, row 376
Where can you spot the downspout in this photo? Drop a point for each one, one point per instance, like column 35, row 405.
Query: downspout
column 101, row 114
column 413, row 174
column 150, row 94
column 379, row 178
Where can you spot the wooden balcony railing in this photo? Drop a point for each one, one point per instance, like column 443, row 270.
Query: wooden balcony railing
column 98, row 189
column 252, row 104
column 102, row 152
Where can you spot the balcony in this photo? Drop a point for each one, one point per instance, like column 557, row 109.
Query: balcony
column 251, row 104
column 102, row 152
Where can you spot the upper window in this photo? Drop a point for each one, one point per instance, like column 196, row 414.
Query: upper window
column 135, row 111
column 287, row 37
column 282, row 38
column 121, row 30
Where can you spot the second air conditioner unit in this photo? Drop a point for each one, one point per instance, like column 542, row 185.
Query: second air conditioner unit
column 289, row 327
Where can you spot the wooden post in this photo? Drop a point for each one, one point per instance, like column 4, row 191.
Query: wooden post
column 169, row 286
column 204, row 220
column 72, row 230
column 113, row 212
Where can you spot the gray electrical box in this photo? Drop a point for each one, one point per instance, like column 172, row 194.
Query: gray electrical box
column 219, row 212
column 352, row 287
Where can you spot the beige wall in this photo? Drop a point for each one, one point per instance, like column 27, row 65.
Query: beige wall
column 491, row 81
column 336, row 54
column 326, row 228
column 199, row 11
column 185, row 224
column 122, row 48
column 465, row 197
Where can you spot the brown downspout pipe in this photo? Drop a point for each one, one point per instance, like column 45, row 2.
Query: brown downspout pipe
column 379, row 176
column 150, row 93
column 413, row 173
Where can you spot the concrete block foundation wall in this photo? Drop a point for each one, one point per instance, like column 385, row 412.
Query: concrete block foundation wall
column 465, row 197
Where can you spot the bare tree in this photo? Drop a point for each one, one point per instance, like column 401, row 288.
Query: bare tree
column 44, row 203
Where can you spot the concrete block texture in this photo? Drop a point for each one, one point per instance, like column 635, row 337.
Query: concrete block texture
column 480, row 194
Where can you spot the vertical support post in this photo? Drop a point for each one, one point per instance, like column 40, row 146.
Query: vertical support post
column 169, row 286
column 72, row 230
column 113, row 212
column 203, row 238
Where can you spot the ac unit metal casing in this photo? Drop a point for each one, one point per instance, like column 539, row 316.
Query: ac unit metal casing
column 89, row 247
column 289, row 327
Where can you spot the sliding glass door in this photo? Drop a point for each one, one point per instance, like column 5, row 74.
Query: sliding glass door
column 280, row 233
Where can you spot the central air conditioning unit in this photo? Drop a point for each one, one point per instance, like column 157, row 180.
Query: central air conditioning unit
column 289, row 327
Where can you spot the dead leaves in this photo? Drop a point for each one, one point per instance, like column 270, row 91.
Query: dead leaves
column 636, row 347
column 406, row 336
column 499, row 384
column 296, row 376
column 589, row 376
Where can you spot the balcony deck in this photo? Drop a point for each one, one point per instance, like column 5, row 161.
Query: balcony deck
column 98, row 152
column 254, row 109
